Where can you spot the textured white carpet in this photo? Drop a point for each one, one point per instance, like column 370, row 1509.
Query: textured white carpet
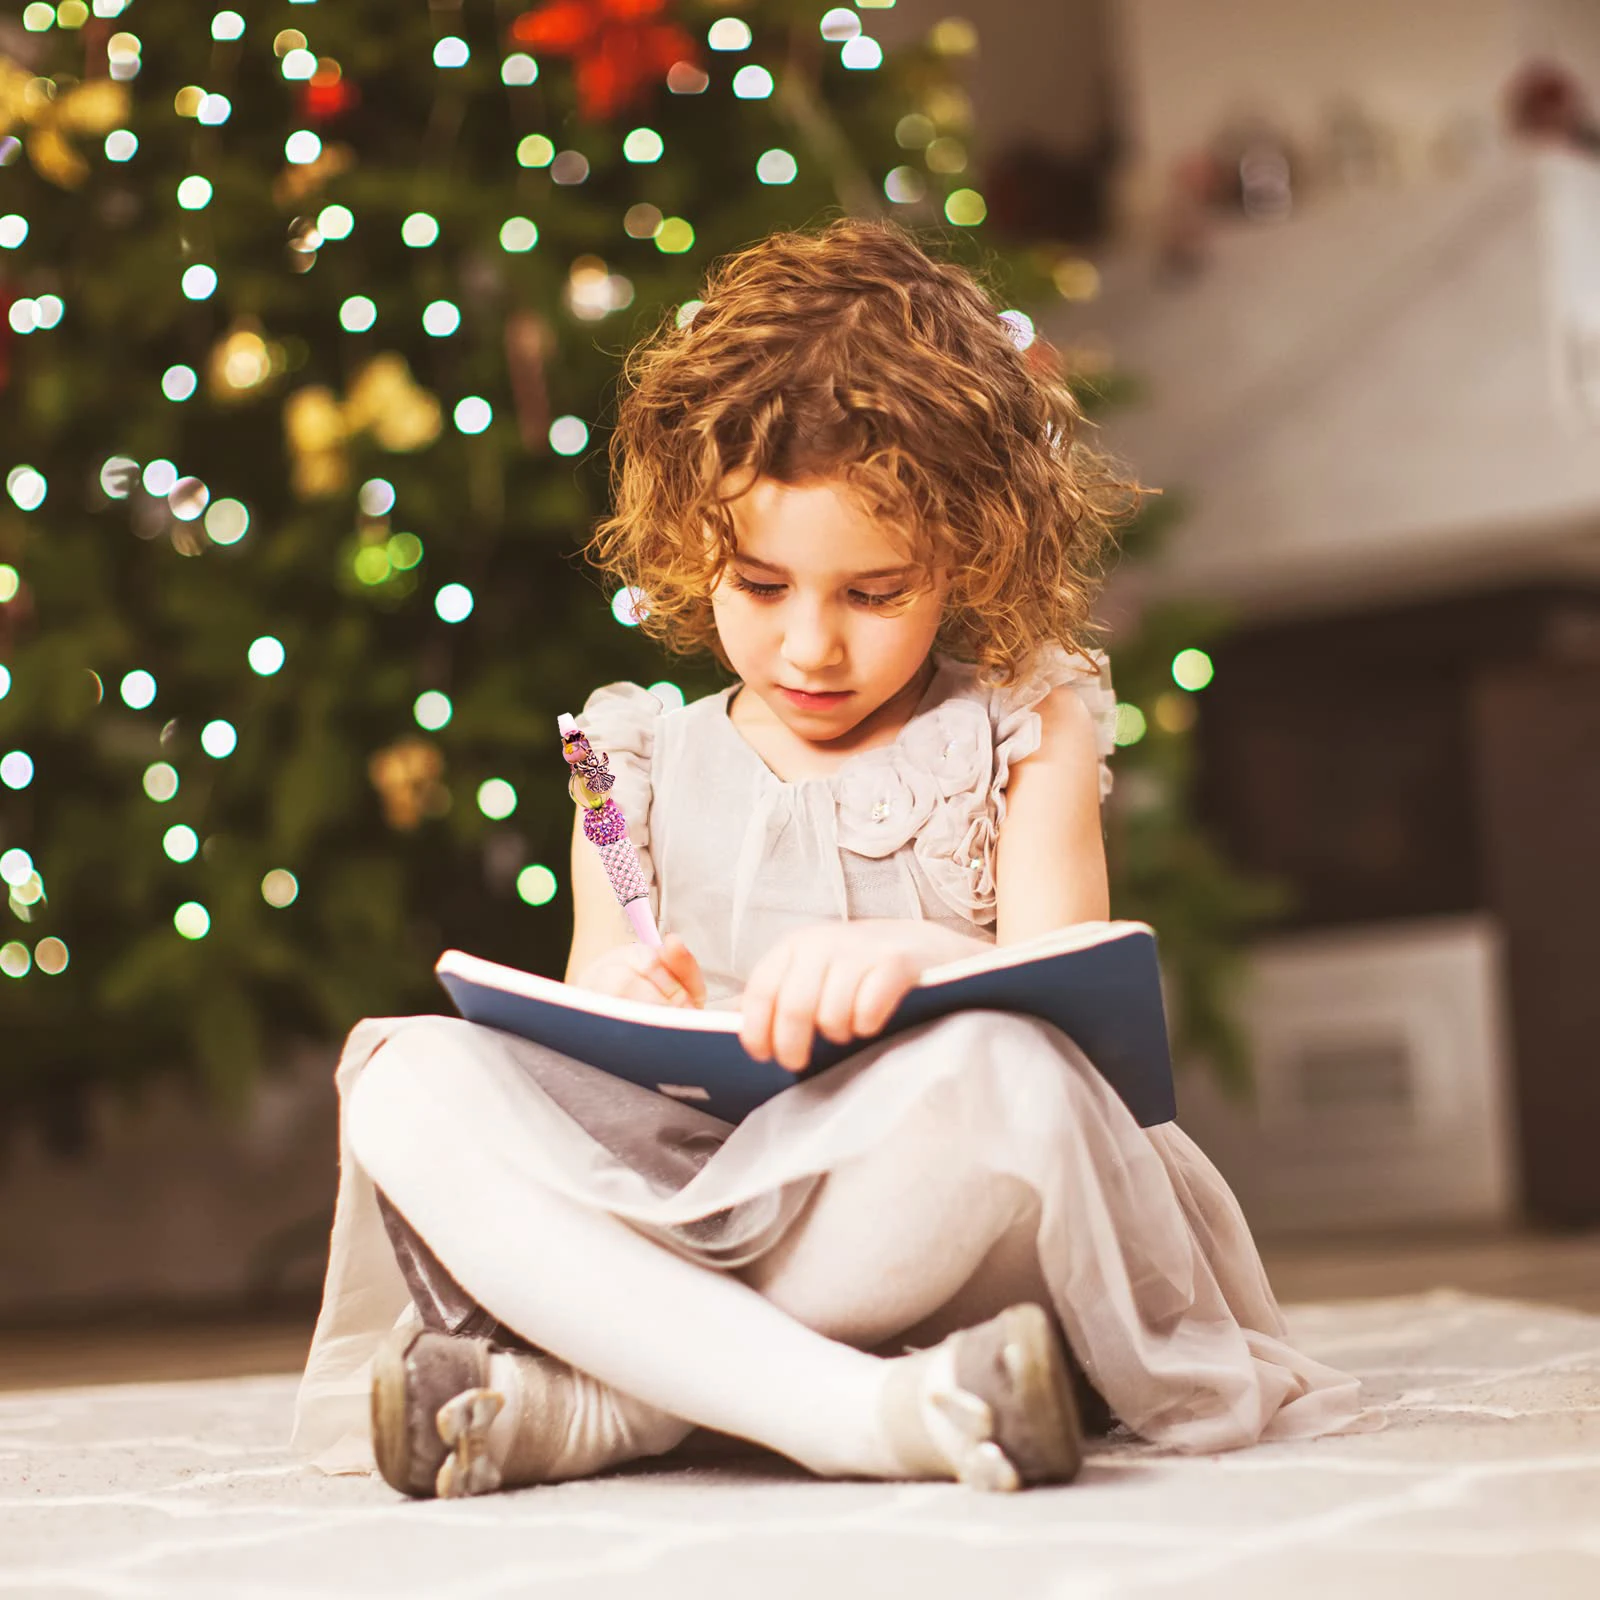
column 1485, row 1484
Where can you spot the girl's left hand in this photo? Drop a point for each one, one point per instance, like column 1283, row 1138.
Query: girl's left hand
column 839, row 979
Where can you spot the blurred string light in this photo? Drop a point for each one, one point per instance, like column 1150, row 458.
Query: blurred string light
column 28, row 893
column 683, row 77
column 568, row 435
column 280, row 888
column 219, row 739
column 404, row 551
column 16, row 867
column 336, row 222
column 16, row 769
column 669, row 694
column 752, row 83
column 1019, row 325
column 535, row 151
column 642, row 221
column 861, row 54
column 121, row 145
column 497, row 799
column 1130, row 724
column 946, row 155
column 179, row 383
column 376, row 497
column 14, row 959
column 199, row 282
column 777, row 166
column 1192, row 669
column 38, row 18
column 10, row 582
column 593, row 291
column 954, row 36
column 181, row 843
column 518, row 235
column 159, row 477
column 630, row 605
column 473, row 414
column 420, row 230
column 194, row 193
column 287, row 39
column 192, row 920
column 122, row 56
column 729, row 33
column 441, row 318
column 674, row 236
column 357, row 314
column 138, row 689
column 453, row 603
column 30, row 316
column 1077, row 279
column 914, row 131
column 536, row 885
column 13, row 230
column 118, row 475
column 160, row 781
column 840, row 24
column 266, row 655
column 27, row 487
column 5, row 681
column 432, row 710
column 451, row 51
column 519, row 70
column 687, row 312
column 227, row 521
column 227, row 26
column 50, row 956
column 298, row 65
column 643, row 145
column 188, row 498
column 215, row 109
column 569, row 167
column 905, row 186
column 302, row 147
column 966, row 208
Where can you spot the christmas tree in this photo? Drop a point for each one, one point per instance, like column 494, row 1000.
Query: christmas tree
column 312, row 318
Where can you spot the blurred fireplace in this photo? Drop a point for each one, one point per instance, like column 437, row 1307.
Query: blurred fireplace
column 1434, row 761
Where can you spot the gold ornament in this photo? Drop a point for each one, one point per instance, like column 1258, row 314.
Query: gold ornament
column 297, row 183
column 241, row 361
column 384, row 400
column 407, row 776
column 51, row 114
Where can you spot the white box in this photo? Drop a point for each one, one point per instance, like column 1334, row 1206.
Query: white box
column 1382, row 1074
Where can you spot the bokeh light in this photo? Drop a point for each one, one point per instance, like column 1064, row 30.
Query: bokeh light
column 302, row 147
column 905, row 186
column 138, row 689
column 674, row 236
column 199, row 282
column 179, row 383
column 1130, row 724
column 227, row 521
column 432, row 710
column 194, row 193
column 777, row 166
column 50, row 956
column 219, row 739
column 181, row 842
column 280, row 888
column 966, row 208
column 1192, row 669
column 451, row 51
column 840, row 24
column 453, row 603
column 568, row 435
column 669, row 694
column 752, row 83
column 536, row 885
column 629, row 604
column 1020, row 326
column 497, row 799
column 192, row 920
column 227, row 25
column 535, row 151
column 160, row 781
column 441, row 318
column 336, row 222
column 473, row 414
column 121, row 145
column 861, row 54
column 16, row 769
column 27, row 487
column 357, row 314
column 420, row 230
column 159, row 477
column 518, row 234
column 519, row 70
column 376, row 497
column 643, row 145
column 266, row 655
column 5, row 681
column 729, row 33
column 16, row 867
column 14, row 959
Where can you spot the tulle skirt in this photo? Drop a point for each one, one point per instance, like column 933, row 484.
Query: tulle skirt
column 1149, row 1263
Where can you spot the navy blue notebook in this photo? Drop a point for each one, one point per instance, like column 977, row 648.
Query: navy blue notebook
column 1099, row 983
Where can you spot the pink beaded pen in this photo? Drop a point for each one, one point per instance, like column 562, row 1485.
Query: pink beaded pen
column 605, row 827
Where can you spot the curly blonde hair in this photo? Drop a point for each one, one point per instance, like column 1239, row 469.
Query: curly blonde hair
column 850, row 355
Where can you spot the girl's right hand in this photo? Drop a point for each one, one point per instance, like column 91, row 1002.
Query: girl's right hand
column 634, row 971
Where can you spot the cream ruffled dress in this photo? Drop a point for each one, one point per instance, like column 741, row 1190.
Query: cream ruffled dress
column 1150, row 1264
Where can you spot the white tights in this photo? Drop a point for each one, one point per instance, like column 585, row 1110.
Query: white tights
column 910, row 1241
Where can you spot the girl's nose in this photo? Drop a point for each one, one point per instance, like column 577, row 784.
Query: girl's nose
column 811, row 642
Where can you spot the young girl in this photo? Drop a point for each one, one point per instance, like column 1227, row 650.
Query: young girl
column 844, row 478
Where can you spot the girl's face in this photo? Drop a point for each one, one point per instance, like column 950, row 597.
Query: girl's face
column 817, row 612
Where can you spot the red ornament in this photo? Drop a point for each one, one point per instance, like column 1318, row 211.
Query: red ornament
column 621, row 47
column 326, row 95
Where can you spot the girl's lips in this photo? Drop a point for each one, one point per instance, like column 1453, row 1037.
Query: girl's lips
column 814, row 702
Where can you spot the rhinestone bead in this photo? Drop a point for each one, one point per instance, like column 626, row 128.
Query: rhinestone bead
column 880, row 811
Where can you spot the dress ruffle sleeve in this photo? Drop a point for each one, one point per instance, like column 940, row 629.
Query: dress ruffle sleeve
column 969, row 749
column 620, row 721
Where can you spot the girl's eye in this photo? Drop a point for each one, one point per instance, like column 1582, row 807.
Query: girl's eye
column 763, row 591
column 862, row 598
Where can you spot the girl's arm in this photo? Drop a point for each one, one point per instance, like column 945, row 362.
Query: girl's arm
column 605, row 955
column 1050, row 858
